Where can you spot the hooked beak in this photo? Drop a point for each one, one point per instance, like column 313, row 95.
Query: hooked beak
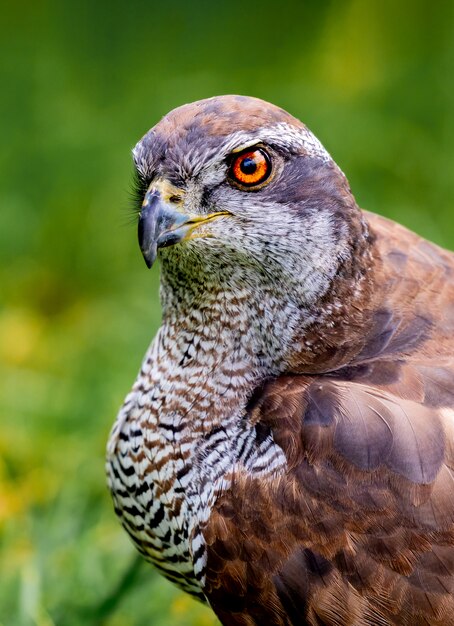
column 161, row 224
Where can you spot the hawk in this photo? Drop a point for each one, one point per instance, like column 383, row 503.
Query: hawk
column 286, row 453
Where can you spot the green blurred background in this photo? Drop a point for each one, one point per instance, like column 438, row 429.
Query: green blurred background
column 80, row 83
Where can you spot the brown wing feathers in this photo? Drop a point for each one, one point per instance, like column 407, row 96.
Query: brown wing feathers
column 369, row 498
column 361, row 529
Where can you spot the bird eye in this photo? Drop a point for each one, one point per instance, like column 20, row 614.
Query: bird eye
column 250, row 168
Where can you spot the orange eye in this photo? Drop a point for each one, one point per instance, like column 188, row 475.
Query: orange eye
column 251, row 167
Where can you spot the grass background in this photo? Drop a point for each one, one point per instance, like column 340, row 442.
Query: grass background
column 81, row 82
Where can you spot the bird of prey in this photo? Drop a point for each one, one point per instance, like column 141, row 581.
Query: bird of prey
column 286, row 453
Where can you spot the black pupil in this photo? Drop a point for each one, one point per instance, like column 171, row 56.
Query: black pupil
column 248, row 165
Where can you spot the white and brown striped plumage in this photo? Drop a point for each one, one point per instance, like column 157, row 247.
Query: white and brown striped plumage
column 287, row 451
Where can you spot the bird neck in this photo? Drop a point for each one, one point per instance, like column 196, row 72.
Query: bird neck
column 218, row 340
column 230, row 329
column 223, row 334
column 232, row 319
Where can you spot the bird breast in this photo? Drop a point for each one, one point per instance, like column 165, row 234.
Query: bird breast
column 177, row 441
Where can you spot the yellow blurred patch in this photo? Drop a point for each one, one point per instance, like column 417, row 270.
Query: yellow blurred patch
column 200, row 615
column 351, row 51
column 181, row 605
column 20, row 331
column 10, row 502
column 37, row 486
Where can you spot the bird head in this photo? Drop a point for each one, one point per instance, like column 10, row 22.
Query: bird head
column 233, row 186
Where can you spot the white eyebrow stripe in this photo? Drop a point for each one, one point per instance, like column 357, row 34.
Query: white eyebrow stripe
column 281, row 134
